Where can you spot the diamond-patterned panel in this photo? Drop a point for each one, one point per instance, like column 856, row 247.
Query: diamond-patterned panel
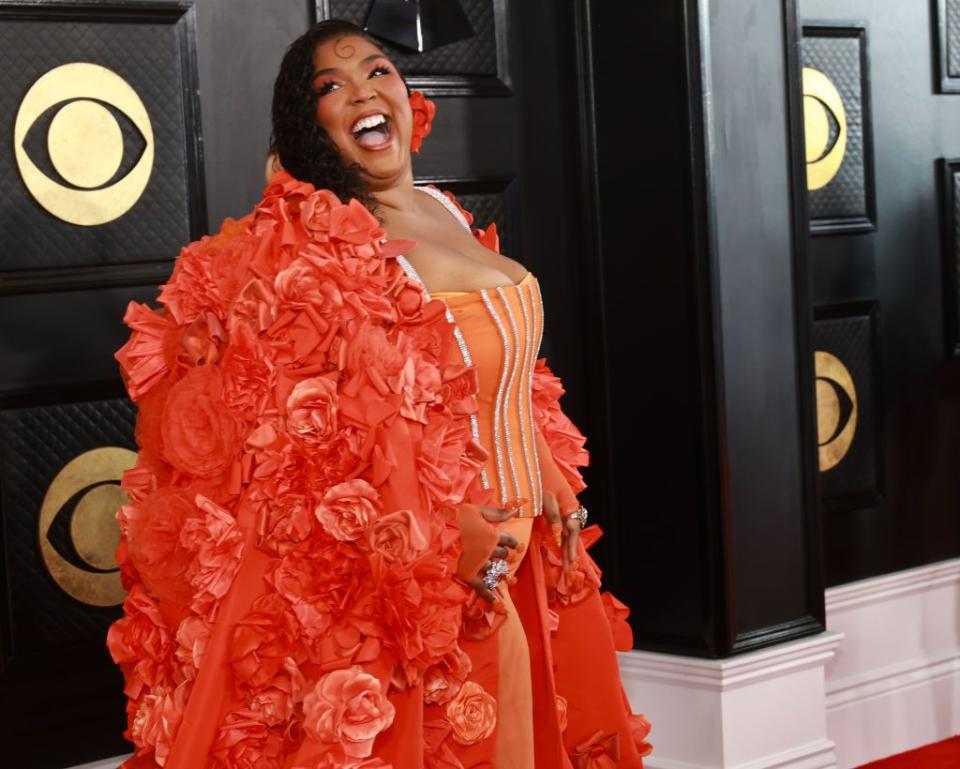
column 854, row 481
column 35, row 444
column 838, row 57
column 952, row 8
column 147, row 56
column 475, row 55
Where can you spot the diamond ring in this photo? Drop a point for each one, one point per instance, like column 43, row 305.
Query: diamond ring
column 580, row 515
column 497, row 569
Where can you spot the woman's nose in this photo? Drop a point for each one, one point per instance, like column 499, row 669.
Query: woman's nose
column 364, row 93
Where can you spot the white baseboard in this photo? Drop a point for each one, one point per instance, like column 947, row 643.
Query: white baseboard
column 761, row 710
column 894, row 684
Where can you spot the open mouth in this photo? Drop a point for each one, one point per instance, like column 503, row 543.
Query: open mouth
column 373, row 131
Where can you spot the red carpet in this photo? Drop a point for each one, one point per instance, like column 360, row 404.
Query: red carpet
column 940, row 755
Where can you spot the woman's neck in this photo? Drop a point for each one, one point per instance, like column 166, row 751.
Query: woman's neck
column 401, row 196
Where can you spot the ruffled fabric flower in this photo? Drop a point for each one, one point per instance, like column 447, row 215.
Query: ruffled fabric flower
column 472, row 714
column 566, row 442
column 264, row 655
column 348, row 508
column 348, row 708
column 141, row 643
column 153, row 529
column 156, row 722
column 424, row 111
column 600, row 751
column 193, row 634
column 639, row 729
column 397, row 537
column 617, row 613
column 322, row 580
column 201, row 436
column 216, row 542
column 246, row 741
column 312, row 412
column 142, row 359
column 442, row 681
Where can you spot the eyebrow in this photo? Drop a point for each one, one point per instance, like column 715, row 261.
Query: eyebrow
column 334, row 70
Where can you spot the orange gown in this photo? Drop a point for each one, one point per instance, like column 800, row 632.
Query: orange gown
column 551, row 668
column 289, row 548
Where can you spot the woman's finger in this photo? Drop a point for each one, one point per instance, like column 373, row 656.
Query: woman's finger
column 499, row 552
column 508, row 540
column 571, row 536
column 497, row 514
column 484, row 592
column 551, row 508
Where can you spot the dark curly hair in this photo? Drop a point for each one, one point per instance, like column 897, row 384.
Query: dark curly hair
column 305, row 149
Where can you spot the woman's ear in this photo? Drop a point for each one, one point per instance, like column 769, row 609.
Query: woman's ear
column 273, row 165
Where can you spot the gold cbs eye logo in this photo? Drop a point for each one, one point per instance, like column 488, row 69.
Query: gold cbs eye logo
column 821, row 105
column 837, row 409
column 82, row 502
column 84, row 143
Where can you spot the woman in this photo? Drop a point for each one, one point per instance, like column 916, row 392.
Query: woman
column 353, row 537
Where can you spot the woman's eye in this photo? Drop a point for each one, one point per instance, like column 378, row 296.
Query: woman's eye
column 381, row 70
column 326, row 87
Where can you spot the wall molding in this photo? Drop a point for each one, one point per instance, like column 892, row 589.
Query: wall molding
column 887, row 586
column 733, row 672
column 895, row 683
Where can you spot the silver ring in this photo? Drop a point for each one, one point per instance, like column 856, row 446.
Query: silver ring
column 498, row 568
column 580, row 515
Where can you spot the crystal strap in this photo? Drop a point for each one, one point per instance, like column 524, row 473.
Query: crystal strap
column 526, row 421
column 538, row 334
column 498, row 401
column 506, row 403
column 448, row 204
column 464, row 352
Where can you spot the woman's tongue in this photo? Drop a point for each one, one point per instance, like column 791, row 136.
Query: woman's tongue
column 373, row 137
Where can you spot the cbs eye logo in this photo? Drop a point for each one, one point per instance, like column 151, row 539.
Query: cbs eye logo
column 78, row 529
column 823, row 117
column 84, row 108
column 836, row 409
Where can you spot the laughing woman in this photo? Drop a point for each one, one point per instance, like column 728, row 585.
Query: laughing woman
column 353, row 538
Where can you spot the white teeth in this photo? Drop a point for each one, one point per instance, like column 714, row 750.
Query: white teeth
column 368, row 122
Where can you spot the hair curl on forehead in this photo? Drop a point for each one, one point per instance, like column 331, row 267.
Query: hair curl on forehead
column 305, row 149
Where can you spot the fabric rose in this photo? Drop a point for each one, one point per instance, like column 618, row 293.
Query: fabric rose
column 472, row 714
column 349, row 708
column 201, row 436
column 312, row 412
column 353, row 223
column 348, row 508
column 153, row 542
column 217, row 544
column 157, row 720
column 303, row 283
column 246, row 741
column 315, row 212
column 141, row 643
column 442, row 681
column 397, row 537
column 249, row 374
column 423, row 111
column 192, row 638
column 285, row 521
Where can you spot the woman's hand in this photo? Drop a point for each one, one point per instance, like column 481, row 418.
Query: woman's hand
column 568, row 528
column 502, row 549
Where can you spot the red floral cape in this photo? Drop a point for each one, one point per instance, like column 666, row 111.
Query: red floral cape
column 304, row 442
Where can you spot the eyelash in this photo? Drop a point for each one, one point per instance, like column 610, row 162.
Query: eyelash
column 328, row 86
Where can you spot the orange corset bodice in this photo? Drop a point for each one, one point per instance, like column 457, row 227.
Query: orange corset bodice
column 500, row 331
